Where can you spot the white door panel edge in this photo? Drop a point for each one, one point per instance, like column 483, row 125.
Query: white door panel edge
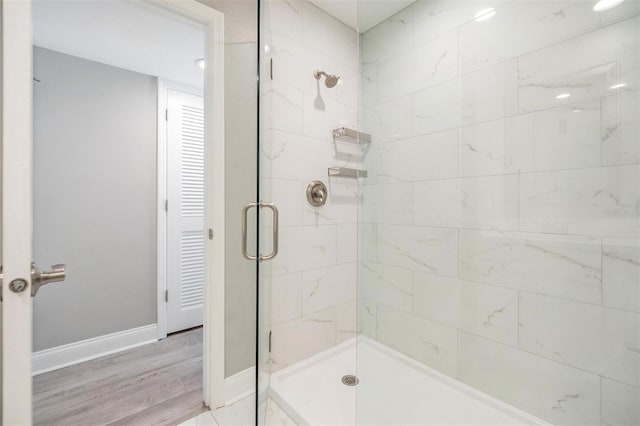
column 17, row 138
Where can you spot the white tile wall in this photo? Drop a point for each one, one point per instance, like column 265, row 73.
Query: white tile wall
column 499, row 228
column 313, row 278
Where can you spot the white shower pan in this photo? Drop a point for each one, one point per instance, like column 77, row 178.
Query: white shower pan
column 393, row 389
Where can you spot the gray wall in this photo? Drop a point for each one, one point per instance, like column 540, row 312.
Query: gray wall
column 94, row 197
column 240, row 176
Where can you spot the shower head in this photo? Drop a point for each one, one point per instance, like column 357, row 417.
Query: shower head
column 329, row 80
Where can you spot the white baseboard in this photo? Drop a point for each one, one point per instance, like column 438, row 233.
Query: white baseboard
column 239, row 386
column 84, row 350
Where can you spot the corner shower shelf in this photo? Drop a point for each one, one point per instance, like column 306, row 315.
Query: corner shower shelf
column 344, row 134
column 347, row 172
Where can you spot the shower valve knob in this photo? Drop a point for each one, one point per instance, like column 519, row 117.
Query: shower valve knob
column 317, row 193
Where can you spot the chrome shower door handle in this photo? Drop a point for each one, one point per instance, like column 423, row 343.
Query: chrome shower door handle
column 276, row 230
column 245, row 250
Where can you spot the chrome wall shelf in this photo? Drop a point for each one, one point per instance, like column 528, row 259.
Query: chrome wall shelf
column 344, row 134
column 347, row 172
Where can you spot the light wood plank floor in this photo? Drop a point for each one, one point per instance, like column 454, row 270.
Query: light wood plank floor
column 155, row 384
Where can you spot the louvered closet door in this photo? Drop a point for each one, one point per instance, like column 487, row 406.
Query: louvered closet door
column 185, row 210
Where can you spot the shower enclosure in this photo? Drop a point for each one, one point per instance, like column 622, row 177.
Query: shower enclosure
column 477, row 257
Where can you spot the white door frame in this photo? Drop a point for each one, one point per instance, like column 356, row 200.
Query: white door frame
column 17, row 120
column 161, row 198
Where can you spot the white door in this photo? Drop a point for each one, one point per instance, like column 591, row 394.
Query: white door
column 185, row 210
column 16, row 211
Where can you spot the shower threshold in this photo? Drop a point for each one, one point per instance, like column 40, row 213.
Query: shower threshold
column 392, row 389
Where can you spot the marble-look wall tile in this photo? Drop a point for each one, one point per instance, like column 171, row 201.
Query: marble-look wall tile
column 433, row 250
column 390, row 121
column 285, row 106
column 346, row 322
column 431, row 343
column 436, row 108
column 284, row 17
column 286, row 297
column 620, row 403
column 386, row 285
column 529, row 25
column 621, row 273
column 437, row 298
column 296, row 340
column 598, row 201
column 424, row 157
column 626, row 10
column 367, row 318
column 433, row 18
column 601, row 340
column 326, row 287
column 563, row 266
column 322, row 115
column 620, row 134
column 389, row 203
column 497, row 147
column 285, row 193
column 557, row 393
column 489, row 202
column 388, row 39
column 293, row 156
column 489, row 311
column 423, row 66
column 585, row 67
column 480, row 309
column 304, row 248
column 347, row 242
column 326, row 34
column 437, row 203
column 285, row 52
column 567, row 137
column 489, row 94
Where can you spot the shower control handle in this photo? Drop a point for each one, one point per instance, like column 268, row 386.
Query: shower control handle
column 317, row 193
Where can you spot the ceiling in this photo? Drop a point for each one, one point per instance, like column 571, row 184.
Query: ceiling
column 130, row 35
column 362, row 15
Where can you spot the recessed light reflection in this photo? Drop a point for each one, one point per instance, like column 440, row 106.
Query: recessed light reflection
column 484, row 14
column 200, row 63
column 267, row 48
column 618, row 86
column 577, row 110
column 563, row 96
column 603, row 5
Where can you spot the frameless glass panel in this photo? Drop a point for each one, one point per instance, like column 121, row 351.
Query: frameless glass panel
column 309, row 83
column 498, row 231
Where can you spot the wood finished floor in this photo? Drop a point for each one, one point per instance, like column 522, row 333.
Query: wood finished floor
column 155, row 384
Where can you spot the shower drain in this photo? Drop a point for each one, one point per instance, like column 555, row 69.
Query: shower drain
column 350, row 380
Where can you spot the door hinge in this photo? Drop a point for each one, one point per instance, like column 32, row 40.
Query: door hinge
column 210, row 234
column 166, row 205
column 271, row 68
column 166, row 114
column 269, row 341
column 166, row 295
